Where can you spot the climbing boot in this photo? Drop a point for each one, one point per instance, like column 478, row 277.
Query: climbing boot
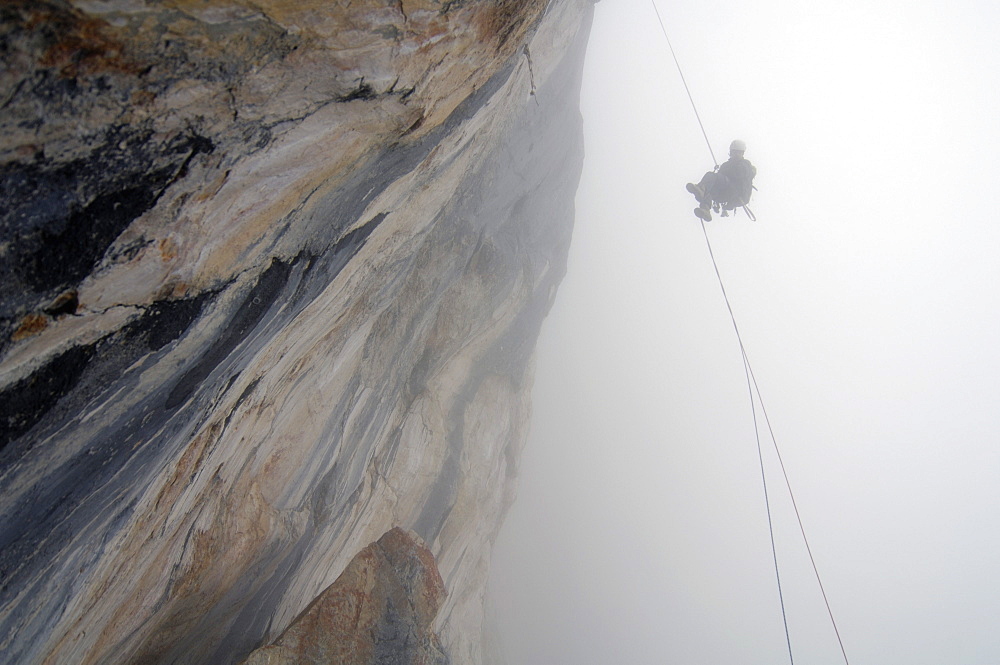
column 703, row 214
column 698, row 192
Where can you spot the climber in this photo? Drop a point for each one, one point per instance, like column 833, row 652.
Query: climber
column 726, row 188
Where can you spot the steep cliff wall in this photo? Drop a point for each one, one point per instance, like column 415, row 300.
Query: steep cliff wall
column 272, row 273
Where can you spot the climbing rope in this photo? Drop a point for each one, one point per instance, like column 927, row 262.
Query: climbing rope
column 752, row 379
column 684, row 81
column 752, row 388
column 791, row 495
column 767, row 502
column 760, row 455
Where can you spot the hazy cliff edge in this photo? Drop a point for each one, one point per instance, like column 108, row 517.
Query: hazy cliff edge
column 271, row 275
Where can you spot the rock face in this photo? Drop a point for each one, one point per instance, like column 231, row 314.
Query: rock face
column 271, row 275
column 379, row 610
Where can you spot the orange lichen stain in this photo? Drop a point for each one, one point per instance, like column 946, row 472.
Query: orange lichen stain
column 76, row 43
column 180, row 290
column 506, row 21
column 212, row 188
column 168, row 249
column 31, row 325
column 27, row 151
column 143, row 98
column 65, row 303
column 191, row 460
column 172, row 290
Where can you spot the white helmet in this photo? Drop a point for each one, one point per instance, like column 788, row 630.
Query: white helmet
column 737, row 146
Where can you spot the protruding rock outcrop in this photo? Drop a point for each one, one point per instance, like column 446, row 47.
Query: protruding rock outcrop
column 271, row 275
column 379, row 610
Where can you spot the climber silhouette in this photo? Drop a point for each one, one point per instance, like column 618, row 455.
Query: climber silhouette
column 726, row 188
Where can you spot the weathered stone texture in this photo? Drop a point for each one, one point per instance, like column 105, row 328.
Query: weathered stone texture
column 379, row 610
column 271, row 275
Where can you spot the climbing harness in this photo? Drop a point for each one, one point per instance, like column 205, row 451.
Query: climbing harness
column 754, row 388
column 746, row 209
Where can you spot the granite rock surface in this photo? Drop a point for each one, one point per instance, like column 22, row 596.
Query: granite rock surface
column 271, row 274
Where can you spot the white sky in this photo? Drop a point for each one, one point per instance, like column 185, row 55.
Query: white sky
column 866, row 294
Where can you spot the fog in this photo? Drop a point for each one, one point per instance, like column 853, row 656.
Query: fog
column 865, row 294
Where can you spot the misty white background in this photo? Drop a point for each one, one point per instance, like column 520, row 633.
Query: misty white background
column 866, row 294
